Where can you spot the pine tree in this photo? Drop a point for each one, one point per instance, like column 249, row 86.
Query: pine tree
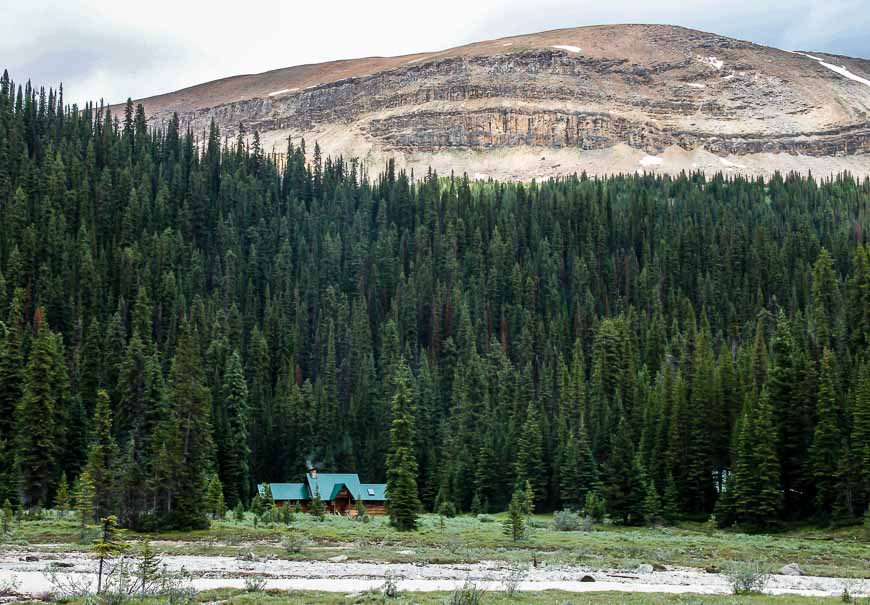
column 825, row 450
column 216, row 505
column 625, row 490
column 84, row 495
column 11, row 366
column 8, row 515
column 61, row 496
column 861, row 434
column 191, row 453
column 37, row 434
column 235, row 464
column 670, row 501
column 515, row 523
column 110, row 544
column 529, row 465
column 316, row 509
column 757, row 490
column 102, row 465
column 404, row 502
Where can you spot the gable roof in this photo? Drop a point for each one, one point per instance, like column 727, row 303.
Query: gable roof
column 286, row 491
column 330, row 485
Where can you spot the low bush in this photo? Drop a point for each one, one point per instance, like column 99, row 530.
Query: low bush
column 566, row 520
column 255, row 584
column 747, row 578
column 467, row 594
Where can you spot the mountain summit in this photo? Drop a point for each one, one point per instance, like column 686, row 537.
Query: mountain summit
column 603, row 99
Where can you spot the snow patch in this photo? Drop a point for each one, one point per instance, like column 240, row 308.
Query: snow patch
column 841, row 69
column 695, row 85
column 728, row 77
column 281, row 92
column 649, row 161
column 508, row 44
column 415, row 60
column 712, row 62
column 479, row 176
column 569, row 48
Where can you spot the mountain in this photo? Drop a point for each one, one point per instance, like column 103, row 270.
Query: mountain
column 603, row 99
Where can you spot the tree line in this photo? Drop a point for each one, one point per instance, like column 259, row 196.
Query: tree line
column 175, row 308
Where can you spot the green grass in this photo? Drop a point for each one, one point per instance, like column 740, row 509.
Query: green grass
column 235, row 597
column 844, row 552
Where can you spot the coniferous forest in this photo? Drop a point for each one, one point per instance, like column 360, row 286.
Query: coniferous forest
column 176, row 310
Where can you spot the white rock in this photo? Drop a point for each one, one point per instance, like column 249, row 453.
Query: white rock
column 792, row 569
column 337, row 559
column 645, row 568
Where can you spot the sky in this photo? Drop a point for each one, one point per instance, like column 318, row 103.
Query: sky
column 112, row 51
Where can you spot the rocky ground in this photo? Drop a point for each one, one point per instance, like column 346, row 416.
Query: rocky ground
column 28, row 569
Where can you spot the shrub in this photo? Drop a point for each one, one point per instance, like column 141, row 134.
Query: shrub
column 391, row 586
column 587, row 525
column 746, row 578
column 514, row 578
column 595, row 506
column 447, row 509
column 255, row 584
column 293, row 544
column 467, row 594
column 566, row 520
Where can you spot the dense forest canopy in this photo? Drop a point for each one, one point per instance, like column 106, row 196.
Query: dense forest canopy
column 176, row 308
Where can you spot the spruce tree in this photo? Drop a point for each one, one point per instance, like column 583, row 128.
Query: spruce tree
column 825, row 450
column 102, row 465
column 61, row 496
column 235, row 464
column 515, row 523
column 861, row 434
column 11, row 366
column 37, row 433
column 529, row 465
column 403, row 499
column 191, row 452
column 84, row 495
column 624, row 490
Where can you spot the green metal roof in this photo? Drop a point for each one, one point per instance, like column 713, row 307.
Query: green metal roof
column 330, row 485
column 286, row 491
column 372, row 491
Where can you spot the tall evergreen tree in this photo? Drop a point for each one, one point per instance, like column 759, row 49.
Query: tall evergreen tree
column 404, row 501
column 37, row 433
column 235, row 470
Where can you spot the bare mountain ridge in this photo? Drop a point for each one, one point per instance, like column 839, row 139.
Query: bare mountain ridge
column 602, row 99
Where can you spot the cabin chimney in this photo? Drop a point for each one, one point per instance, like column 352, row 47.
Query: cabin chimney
column 313, row 473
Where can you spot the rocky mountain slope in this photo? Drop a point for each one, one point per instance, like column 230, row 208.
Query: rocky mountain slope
column 602, row 99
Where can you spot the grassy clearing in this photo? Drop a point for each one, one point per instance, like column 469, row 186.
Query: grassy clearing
column 234, row 597
column 843, row 553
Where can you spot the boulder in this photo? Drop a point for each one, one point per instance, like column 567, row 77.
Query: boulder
column 337, row 559
column 659, row 567
column 792, row 569
column 587, row 579
column 645, row 568
column 712, row 569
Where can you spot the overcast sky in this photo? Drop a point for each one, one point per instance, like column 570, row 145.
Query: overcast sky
column 109, row 51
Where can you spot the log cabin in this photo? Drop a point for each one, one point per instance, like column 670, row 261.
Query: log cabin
column 338, row 491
